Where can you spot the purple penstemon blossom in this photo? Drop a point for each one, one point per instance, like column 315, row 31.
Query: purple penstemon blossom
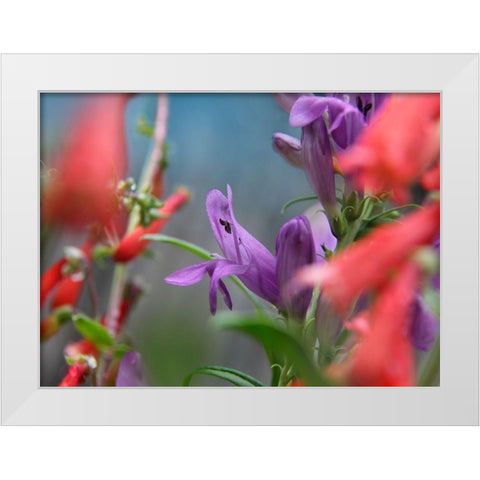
column 367, row 103
column 295, row 248
column 131, row 371
column 250, row 260
column 329, row 124
column 424, row 326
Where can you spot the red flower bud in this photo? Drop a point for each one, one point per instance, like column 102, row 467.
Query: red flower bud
column 77, row 374
column 70, row 287
column 82, row 347
column 131, row 246
column 50, row 279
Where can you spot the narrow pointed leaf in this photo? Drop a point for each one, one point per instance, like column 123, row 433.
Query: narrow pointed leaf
column 235, row 377
column 189, row 247
column 297, row 200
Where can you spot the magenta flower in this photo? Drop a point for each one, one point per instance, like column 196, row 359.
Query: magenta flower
column 251, row 261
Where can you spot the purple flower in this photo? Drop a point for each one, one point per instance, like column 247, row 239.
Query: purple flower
column 322, row 233
column 436, row 278
column 328, row 124
column 289, row 148
column 424, row 326
column 367, row 103
column 245, row 257
column 295, row 248
column 131, row 372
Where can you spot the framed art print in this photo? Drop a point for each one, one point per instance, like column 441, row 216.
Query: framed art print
column 219, row 239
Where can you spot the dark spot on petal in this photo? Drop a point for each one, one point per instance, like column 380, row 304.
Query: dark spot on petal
column 226, row 224
column 367, row 108
column 359, row 103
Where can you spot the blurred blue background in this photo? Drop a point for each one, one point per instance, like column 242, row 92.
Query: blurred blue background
column 214, row 139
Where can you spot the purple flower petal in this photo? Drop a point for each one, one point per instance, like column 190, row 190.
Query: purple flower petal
column 366, row 103
column 294, row 249
column 317, row 158
column 424, row 326
column 217, row 270
column 346, row 126
column 308, row 109
column 286, row 100
column 188, row 275
column 321, row 231
column 242, row 248
column 289, row 148
column 131, row 372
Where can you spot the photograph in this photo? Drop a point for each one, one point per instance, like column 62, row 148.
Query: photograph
column 239, row 239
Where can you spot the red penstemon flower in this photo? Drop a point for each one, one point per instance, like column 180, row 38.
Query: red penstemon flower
column 77, row 374
column 402, row 142
column 81, row 347
column 384, row 356
column 369, row 262
column 88, row 166
column 131, row 245
column 430, row 180
column 50, row 279
column 67, row 289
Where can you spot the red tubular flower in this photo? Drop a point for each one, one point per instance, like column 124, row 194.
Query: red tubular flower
column 89, row 165
column 384, row 356
column 50, row 279
column 430, row 180
column 402, row 141
column 82, row 347
column 369, row 262
column 131, row 246
column 77, row 374
column 70, row 287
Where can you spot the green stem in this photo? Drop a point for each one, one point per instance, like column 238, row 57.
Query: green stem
column 155, row 157
column 120, row 270
column 353, row 229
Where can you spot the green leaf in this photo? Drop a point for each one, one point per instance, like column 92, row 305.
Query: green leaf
column 236, row 377
column 93, row 331
column 276, row 340
column 189, row 247
column 297, row 200
column 120, row 350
